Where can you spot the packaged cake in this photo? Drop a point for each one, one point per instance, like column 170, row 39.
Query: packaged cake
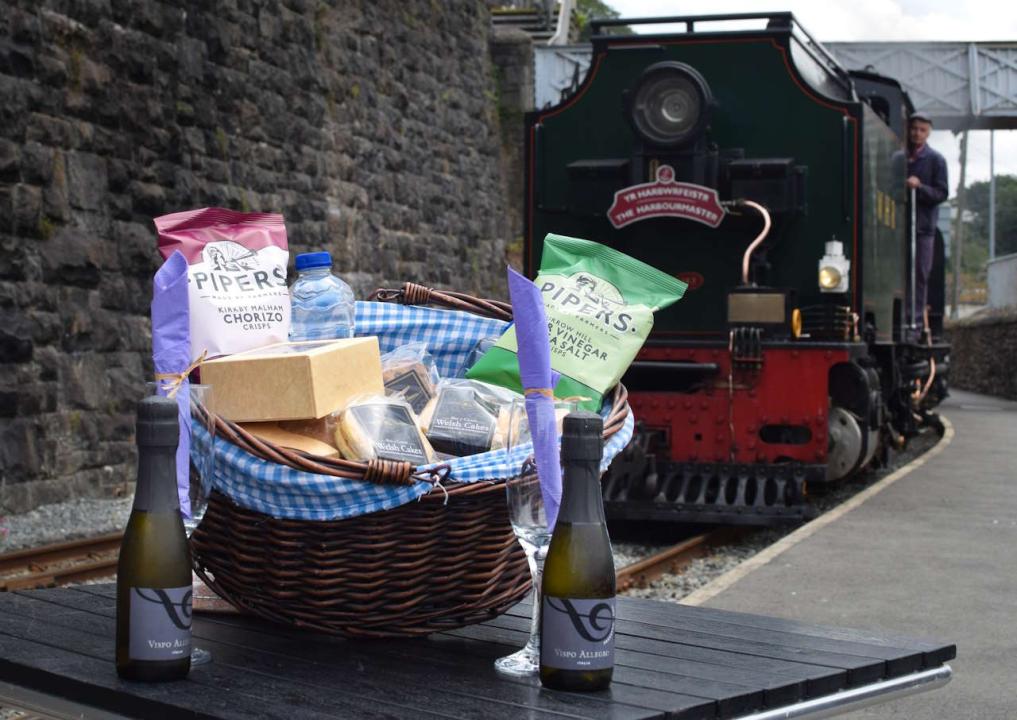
column 467, row 417
column 409, row 372
column 377, row 427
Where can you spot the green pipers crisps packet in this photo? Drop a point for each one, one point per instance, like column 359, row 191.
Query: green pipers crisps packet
column 600, row 306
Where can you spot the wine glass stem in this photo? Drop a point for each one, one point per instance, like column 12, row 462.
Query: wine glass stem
column 536, row 562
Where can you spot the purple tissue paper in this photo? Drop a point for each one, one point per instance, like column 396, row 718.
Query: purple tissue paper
column 171, row 350
column 534, row 353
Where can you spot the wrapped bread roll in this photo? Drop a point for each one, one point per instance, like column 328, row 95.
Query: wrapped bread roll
column 381, row 428
column 520, row 427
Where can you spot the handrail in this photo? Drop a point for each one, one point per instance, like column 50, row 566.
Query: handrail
column 783, row 18
column 689, row 20
column 561, row 33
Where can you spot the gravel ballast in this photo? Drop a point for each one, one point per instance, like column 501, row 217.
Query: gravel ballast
column 91, row 517
column 64, row 521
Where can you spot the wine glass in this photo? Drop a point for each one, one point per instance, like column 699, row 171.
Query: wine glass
column 529, row 522
column 201, row 468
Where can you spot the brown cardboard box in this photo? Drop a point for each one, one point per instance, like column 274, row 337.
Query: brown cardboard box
column 294, row 381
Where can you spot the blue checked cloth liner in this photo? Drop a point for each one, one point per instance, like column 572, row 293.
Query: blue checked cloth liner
column 283, row 492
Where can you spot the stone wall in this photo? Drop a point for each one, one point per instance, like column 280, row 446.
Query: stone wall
column 512, row 55
column 982, row 353
column 371, row 124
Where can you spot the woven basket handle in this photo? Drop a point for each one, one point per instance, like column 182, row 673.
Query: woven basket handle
column 385, row 472
column 414, row 294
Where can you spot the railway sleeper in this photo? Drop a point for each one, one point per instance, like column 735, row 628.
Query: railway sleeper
column 720, row 493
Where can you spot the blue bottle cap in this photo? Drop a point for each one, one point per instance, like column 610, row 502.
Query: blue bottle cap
column 313, row 260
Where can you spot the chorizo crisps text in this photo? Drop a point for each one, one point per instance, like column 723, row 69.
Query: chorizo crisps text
column 236, row 277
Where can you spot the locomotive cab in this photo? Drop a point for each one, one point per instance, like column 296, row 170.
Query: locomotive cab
column 747, row 164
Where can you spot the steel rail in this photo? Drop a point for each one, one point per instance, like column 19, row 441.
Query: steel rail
column 60, row 563
column 674, row 559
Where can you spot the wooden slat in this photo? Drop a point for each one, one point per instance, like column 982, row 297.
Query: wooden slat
column 899, row 661
column 819, row 679
column 934, row 653
column 865, row 658
column 777, row 689
column 457, row 687
column 682, row 705
column 671, row 661
column 730, row 700
column 219, row 688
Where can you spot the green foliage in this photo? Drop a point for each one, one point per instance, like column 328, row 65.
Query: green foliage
column 46, row 228
column 74, row 63
column 222, row 142
column 977, row 202
column 587, row 10
column 320, row 17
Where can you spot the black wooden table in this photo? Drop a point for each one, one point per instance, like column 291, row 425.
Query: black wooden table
column 673, row 661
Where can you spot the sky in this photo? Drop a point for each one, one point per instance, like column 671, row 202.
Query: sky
column 871, row 20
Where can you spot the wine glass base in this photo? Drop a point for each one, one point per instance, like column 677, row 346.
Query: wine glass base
column 522, row 663
column 200, row 656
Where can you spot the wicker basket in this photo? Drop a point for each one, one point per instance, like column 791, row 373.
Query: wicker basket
column 445, row 561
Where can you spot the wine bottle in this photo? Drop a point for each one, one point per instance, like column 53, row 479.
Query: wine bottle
column 578, row 611
column 154, row 570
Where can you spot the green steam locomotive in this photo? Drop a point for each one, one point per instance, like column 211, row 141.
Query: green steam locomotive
column 751, row 165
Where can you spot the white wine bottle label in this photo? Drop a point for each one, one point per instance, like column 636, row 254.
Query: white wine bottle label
column 577, row 634
column 160, row 623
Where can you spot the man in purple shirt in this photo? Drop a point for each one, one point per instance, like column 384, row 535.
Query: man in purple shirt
column 927, row 176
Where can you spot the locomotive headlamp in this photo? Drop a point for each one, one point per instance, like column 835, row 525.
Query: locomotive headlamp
column 670, row 105
column 829, row 278
column 834, row 269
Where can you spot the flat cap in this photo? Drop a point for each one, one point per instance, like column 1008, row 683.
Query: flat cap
column 921, row 117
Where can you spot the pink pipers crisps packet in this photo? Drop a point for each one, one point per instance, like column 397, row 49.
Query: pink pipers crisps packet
column 236, row 277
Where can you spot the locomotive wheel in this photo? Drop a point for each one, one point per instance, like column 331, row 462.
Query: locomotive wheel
column 845, row 444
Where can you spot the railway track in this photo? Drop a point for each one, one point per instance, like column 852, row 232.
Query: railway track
column 90, row 558
column 61, row 563
column 674, row 559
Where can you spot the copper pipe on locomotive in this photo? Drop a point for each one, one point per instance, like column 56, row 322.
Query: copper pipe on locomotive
column 920, row 394
column 767, row 224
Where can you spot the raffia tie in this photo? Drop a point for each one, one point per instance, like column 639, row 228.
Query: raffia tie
column 548, row 393
column 176, row 380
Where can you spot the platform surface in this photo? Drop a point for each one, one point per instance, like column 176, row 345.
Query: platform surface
column 934, row 554
column 671, row 662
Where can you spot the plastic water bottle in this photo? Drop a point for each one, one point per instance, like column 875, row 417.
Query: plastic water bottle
column 323, row 305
